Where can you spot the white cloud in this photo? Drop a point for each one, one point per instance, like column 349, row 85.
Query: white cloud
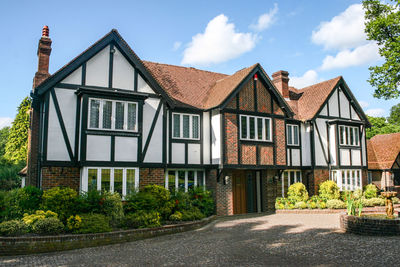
column 177, row 45
column 265, row 20
column 308, row 78
column 5, row 121
column 375, row 112
column 363, row 104
column 344, row 31
column 219, row 42
column 359, row 56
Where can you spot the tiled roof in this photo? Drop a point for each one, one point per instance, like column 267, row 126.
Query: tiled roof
column 307, row 101
column 383, row 150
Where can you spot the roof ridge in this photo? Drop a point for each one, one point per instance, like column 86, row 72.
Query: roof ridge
column 301, row 89
column 165, row 64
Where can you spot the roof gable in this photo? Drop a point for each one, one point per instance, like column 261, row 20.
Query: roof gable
column 383, row 150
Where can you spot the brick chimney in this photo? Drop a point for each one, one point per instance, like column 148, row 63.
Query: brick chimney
column 281, row 82
column 42, row 73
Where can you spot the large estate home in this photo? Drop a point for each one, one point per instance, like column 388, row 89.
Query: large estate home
column 109, row 120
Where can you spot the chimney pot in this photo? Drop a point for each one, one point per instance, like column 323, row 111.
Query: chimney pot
column 45, row 31
column 281, row 82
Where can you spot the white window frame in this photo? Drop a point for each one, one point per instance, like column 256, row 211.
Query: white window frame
column 347, row 179
column 85, row 186
column 347, row 137
column 196, row 178
column 113, row 116
column 296, row 179
column 181, row 126
column 291, row 142
column 264, row 135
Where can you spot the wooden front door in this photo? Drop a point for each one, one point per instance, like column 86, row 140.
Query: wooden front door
column 239, row 192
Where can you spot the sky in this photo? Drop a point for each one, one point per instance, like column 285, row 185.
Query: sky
column 313, row 40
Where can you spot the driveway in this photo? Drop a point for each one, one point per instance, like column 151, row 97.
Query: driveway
column 257, row 240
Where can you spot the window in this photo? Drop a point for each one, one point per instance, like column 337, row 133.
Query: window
column 349, row 135
column 121, row 180
column 184, row 179
column 347, row 179
column 112, row 115
column 185, row 126
column 292, row 134
column 369, row 177
column 255, row 128
column 290, row 177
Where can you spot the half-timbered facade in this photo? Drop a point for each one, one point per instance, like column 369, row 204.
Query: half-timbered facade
column 111, row 121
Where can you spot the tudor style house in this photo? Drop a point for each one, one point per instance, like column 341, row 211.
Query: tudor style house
column 110, row 121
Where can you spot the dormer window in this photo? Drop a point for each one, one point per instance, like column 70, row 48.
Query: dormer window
column 349, row 136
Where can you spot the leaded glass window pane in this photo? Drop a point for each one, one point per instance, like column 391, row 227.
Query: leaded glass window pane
column 119, row 115
column 130, row 181
column 185, row 125
column 131, row 116
column 243, row 126
column 190, row 179
column 118, row 173
column 260, row 128
column 289, row 133
column 107, row 112
column 94, row 113
column 181, row 180
column 171, row 180
column 295, row 135
column 356, row 136
column 177, row 125
column 105, row 179
column 267, row 129
column 252, row 125
column 200, row 179
column 292, row 178
column 92, row 179
column 195, row 126
column 351, row 136
column 341, row 134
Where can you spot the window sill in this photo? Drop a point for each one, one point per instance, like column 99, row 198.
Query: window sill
column 256, row 141
column 112, row 132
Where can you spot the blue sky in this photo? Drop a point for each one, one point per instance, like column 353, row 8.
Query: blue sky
column 312, row 39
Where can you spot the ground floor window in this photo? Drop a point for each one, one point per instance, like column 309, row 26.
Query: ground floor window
column 347, row 179
column 288, row 178
column 369, row 177
column 184, row 179
column 121, row 180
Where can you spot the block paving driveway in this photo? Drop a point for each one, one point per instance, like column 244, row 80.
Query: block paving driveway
column 249, row 240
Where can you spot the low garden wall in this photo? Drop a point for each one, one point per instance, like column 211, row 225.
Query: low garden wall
column 369, row 226
column 40, row 244
column 330, row 211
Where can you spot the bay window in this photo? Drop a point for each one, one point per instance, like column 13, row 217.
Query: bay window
column 349, row 135
column 121, row 180
column 112, row 115
column 255, row 128
column 185, row 126
column 292, row 132
column 184, row 179
column 347, row 179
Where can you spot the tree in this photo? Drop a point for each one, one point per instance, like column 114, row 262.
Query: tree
column 394, row 117
column 16, row 147
column 379, row 125
column 383, row 26
column 3, row 141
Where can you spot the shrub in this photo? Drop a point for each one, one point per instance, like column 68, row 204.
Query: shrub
column 74, row 223
column 335, row 204
column 192, row 215
column 316, row 202
column 112, row 207
column 321, row 205
column 48, row 226
column 30, row 219
column 357, row 194
column 329, row 190
column 93, row 223
column 22, row 200
column 13, row 228
column 143, row 219
column 3, row 195
column 280, row 203
column 298, row 192
column 301, row 205
column 61, row 200
column 395, row 200
column 203, row 200
column 177, row 216
column 370, row 191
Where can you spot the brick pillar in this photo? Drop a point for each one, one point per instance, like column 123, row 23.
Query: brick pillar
column 151, row 176
column 44, row 51
column 224, row 195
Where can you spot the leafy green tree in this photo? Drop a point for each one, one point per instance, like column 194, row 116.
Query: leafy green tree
column 394, row 117
column 3, row 141
column 379, row 125
column 383, row 26
column 16, row 147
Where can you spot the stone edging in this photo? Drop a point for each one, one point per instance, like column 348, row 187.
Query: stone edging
column 40, row 244
column 333, row 211
column 369, row 226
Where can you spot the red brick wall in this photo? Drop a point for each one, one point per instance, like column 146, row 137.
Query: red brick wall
column 224, row 195
column 232, row 104
column 246, row 97
column 249, row 155
column 277, row 109
column 151, row 176
column 319, row 176
column 60, row 176
column 280, row 139
column 231, row 138
column 266, row 155
column 263, row 98
column 364, row 175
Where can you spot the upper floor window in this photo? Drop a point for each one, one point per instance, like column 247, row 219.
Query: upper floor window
column 112, row 115
column 349, row 135
column 292, row 132
column 185, row 126
column 255, row 128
